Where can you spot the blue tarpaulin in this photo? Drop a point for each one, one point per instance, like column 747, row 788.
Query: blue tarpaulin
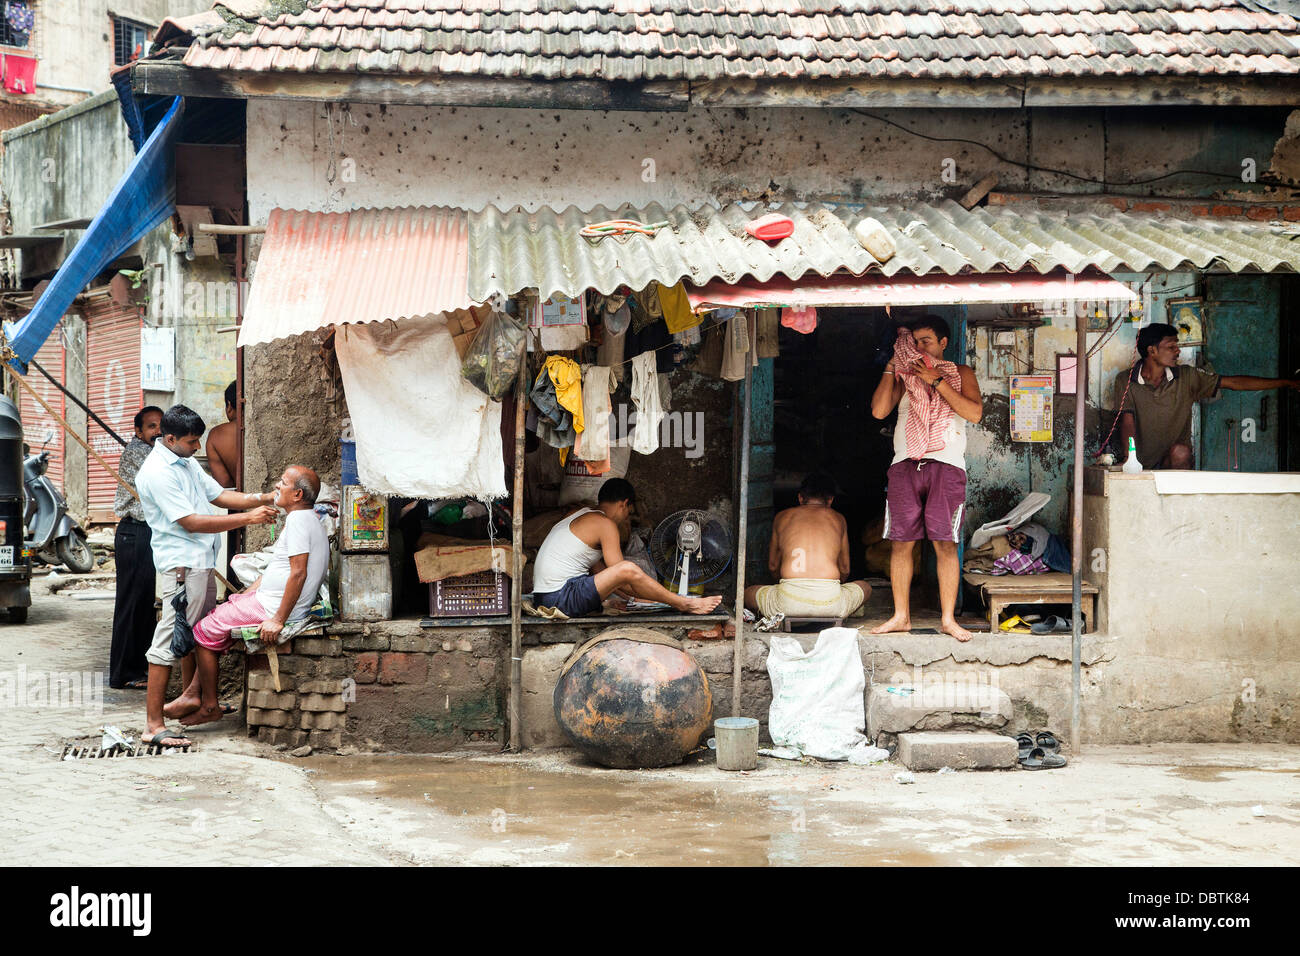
column 143, row 198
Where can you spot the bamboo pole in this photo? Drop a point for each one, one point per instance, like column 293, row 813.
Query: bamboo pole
column 742, row 529
column 517, row 561
column 1076, row 542
column 21, row 380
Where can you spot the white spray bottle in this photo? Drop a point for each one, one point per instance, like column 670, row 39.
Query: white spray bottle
column 1132, row 466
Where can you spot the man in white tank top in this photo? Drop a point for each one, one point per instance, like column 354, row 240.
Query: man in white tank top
column 581, row 562
column 927, row 479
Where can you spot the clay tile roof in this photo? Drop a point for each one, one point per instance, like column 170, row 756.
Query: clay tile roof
column 696, row 40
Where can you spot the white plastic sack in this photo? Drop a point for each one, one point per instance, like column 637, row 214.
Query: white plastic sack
column 817, row 695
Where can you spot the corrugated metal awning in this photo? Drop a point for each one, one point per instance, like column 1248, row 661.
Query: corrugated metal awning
column 516, row 250
column 910, row 290
column 318, row 269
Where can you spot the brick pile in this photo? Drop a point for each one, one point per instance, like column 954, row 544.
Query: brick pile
column 310, row 707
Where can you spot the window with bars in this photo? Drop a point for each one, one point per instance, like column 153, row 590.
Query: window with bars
column 17, row 21
column 130, row 41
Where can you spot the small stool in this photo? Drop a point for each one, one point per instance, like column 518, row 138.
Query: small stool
column 786, row 625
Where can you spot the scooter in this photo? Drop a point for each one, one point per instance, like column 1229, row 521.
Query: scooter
column 54, row 536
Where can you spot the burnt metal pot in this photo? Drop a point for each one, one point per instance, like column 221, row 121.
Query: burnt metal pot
column 626, row 702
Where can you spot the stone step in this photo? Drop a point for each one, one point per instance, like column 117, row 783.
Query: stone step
column 976, row 750
column 936, row 706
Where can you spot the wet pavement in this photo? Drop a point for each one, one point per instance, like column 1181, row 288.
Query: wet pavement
column 236, row 802
column 1112, row 805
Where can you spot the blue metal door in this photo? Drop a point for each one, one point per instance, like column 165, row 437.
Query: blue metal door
column 1239, row 431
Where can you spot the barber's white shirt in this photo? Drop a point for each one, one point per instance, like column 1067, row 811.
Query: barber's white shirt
column 171, row 487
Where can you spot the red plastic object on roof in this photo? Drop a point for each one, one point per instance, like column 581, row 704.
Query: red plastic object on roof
column 771, row 228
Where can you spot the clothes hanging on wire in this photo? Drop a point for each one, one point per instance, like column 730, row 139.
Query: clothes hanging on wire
column 612, row 349
column 768, row 324
column 677, row 308
column 649, row 409
column 554, row 424
column 593, row 440
column 802, row 319
column 736, row 346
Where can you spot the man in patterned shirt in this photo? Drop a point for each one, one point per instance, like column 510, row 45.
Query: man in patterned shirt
column 133, row 613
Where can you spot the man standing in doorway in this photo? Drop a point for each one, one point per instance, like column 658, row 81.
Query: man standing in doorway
column 223, row 444
column 1155, row 398
column 133, row 617
column 175, row 494
column 927, row 479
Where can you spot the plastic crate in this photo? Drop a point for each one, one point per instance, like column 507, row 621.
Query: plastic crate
column 471, row 595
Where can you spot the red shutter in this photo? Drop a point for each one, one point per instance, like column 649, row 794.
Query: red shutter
column 112, row 391
column 37, row 423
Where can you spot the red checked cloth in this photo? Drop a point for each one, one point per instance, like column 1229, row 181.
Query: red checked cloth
column 929, row 416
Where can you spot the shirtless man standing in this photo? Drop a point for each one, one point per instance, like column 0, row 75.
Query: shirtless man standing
column 223, row 442
column 809, row 555
column 581, row 563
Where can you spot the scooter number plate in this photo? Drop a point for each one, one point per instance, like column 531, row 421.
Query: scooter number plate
column 7, row 556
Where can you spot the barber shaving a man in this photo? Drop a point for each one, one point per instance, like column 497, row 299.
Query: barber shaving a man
column 809, row 556
column 927, row 479
column 285, row 592
column 1155, row 398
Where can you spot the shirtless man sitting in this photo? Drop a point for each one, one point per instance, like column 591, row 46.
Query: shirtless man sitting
column 809, row 555
column 580, row 563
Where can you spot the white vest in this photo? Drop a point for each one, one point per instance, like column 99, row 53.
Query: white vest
column 953, row 451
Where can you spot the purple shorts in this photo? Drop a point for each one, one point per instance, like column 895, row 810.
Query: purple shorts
column 925, row 499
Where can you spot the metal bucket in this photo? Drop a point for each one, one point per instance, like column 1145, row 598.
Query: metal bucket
column 737, row 739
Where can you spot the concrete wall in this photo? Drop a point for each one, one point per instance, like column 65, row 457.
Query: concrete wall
column 74, row 41
column 317, row 156
column 1196, row 590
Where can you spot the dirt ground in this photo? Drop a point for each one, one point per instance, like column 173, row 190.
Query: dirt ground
column 233, row 801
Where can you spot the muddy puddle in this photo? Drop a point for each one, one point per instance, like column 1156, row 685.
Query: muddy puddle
column 1214, row 773
column 466, row 811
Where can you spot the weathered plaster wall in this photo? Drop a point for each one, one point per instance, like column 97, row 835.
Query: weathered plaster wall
column 75, row 43
column 315, row 156
column 292, row 413
column 1195, row 588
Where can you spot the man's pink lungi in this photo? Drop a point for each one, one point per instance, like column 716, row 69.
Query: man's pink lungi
column 240, row 610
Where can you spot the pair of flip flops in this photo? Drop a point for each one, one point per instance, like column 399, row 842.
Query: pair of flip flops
column 1051, row 625
column 1040, row 751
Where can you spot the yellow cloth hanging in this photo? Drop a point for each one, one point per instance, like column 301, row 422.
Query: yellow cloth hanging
column 677, row 309
column 566, row 375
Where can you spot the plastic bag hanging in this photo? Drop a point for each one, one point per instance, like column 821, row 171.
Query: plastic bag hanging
column 493, row 359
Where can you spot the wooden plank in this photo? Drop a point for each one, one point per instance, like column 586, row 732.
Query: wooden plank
column 157, row 78
column 600, row 620
column 1052, row 581
column 979, row 191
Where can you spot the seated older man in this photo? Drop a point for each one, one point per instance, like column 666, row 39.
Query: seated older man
column 285, row 592
column 809, row 555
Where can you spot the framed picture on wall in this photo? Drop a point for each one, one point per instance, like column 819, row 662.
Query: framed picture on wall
column 1067, row 373
column 1187, row 316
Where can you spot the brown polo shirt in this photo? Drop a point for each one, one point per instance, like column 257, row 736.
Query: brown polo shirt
column 1163, row 409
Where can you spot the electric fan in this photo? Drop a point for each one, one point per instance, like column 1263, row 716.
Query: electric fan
column 690, row 547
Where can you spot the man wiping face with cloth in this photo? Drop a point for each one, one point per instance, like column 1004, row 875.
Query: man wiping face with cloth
column 927, row 479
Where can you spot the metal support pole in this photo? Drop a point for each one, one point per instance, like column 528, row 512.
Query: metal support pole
column 1076, row 542
column 742, row 529
column 517, row 561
